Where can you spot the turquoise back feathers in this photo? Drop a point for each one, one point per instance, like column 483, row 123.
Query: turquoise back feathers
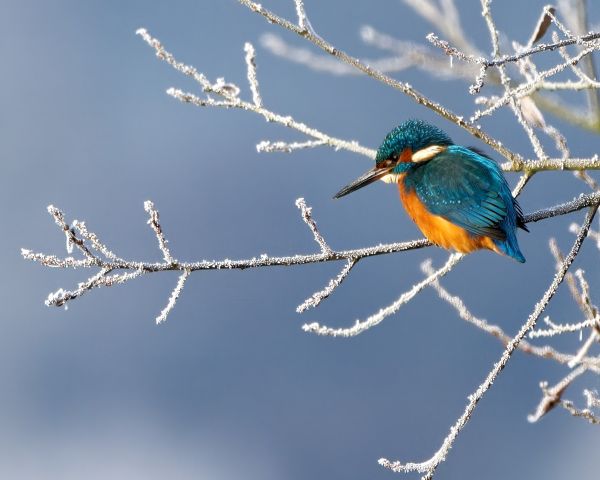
column 468, row 189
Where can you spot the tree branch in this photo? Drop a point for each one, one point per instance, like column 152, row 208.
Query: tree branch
column 429, row 466
column 405, row 88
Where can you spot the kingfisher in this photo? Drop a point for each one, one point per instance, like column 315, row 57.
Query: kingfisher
column 457, row 196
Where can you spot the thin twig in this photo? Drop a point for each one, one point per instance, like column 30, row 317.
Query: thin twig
column 545, row 351
column 231, row 100
column 70, row 236
column 376, row 74
column 174, row 297
column 585, row 413
column 553, row 396
column 230, row 94
column 592, row 399
column 582, row 352
column 252, row 78
column 559, row 329
column 316, row 298
column 307, row 217
column 361, row 326
column 155, row 225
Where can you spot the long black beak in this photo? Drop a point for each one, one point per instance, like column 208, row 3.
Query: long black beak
column 364, row 180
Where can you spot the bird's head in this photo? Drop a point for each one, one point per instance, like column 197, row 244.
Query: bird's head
column 409, row 144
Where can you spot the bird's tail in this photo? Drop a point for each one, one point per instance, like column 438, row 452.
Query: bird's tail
column 510, row 247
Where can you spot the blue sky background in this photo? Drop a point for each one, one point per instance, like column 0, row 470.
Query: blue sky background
column 230, row 387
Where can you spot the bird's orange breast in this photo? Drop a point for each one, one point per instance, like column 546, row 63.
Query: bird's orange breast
column 439, row 230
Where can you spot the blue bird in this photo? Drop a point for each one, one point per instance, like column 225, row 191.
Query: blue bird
column 457, row 196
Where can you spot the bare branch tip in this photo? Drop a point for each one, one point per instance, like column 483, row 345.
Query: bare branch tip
column 175, row 294
column 153, row 221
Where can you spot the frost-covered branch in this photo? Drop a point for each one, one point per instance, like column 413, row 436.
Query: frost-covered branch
column 229, row 97
column 552, row 396
column 535, row 81
column 316, row 298
column 91, row 247
column 592, row 399
column 153, row 222
column 595, row 234
column 429, row 466
column 405, row 88
column 472, row 63
column 558, row 329
column 306, row 213
column 545, row 351
column 361, row 326
column 589, row 39
column 174, row 296
column 252, row 78
column 570, row 278
column 585, row 413
column 404, row 55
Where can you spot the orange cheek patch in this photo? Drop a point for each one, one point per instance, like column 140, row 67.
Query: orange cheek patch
column 406, row 155
column 439, row 230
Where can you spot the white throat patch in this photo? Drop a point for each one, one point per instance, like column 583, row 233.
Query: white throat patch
column 390, row 178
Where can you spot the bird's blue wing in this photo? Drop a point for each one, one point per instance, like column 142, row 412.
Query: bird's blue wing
column 467, row 189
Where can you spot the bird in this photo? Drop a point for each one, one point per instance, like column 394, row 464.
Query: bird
column 457, row 196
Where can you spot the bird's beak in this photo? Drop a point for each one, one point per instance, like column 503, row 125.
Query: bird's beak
column 364, row 180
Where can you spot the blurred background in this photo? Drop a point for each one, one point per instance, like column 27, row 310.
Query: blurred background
column 230, row 386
